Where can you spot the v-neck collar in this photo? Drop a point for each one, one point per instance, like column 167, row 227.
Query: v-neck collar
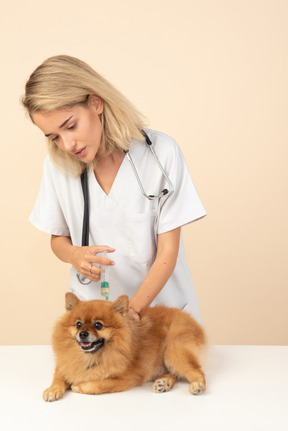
column 117, row 180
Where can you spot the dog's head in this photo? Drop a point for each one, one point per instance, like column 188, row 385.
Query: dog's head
column 94, row 323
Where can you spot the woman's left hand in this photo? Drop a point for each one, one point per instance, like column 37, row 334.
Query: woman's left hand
column 133, row 315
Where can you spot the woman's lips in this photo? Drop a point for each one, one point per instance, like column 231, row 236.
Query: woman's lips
column 81, row 153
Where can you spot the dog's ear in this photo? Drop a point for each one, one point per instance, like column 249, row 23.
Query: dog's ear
column 121, row 304
column 71, row 300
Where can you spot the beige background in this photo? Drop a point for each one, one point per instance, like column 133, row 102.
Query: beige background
column 213, row 74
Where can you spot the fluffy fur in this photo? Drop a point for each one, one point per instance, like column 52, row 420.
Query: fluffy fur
column 99, row 350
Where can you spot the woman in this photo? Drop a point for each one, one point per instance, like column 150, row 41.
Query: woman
column 88, row 123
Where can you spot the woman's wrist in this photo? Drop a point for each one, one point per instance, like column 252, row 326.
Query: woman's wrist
column 71, row 252
column 135, row 311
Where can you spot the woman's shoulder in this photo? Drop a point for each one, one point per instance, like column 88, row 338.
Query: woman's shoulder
column 49, row 165
column 160, row 138
column 165, row 145
column 54, row 172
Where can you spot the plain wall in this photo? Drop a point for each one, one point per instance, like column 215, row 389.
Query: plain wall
column 212, row 74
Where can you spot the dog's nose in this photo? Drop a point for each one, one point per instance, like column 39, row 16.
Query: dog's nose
column 83, row 335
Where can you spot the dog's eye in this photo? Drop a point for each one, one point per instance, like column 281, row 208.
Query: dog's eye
column 98, row 325
column 79, row 324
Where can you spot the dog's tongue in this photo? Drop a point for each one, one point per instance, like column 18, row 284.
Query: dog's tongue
column 84, row 343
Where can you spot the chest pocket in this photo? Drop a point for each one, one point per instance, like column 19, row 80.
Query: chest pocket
column 140, row 237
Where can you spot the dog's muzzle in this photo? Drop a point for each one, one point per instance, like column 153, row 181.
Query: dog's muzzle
column 87, row 342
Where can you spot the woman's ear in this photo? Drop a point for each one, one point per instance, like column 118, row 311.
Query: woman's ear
column 96, row 103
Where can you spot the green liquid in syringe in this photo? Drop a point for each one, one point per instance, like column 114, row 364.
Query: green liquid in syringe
column 105, row 279
column 105, row 289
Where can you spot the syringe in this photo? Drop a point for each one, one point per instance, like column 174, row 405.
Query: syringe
column 104, row 277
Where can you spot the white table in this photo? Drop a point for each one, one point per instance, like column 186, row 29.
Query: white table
column 247, row 389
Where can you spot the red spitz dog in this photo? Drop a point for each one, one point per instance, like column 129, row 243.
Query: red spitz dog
column 99, row 349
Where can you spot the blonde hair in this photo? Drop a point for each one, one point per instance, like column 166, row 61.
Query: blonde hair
column 63, row 81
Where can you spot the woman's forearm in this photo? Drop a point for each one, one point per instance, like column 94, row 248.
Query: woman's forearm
column 62, row 247
column 160, row 271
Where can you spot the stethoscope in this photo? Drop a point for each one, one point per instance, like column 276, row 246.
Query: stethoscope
column 84, row 184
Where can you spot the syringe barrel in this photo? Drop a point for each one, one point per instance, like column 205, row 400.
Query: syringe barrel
column 104, row 280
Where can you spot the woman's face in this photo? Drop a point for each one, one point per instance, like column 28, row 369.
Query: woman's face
column 76, row 130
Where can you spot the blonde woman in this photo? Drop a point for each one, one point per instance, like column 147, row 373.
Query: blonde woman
column 89, row 124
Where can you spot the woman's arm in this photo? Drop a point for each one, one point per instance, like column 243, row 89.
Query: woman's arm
column 160, row 272
column 80, row 257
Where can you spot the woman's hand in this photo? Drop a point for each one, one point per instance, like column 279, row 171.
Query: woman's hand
column 133, row 314
column 87, row 262
column 82, row 258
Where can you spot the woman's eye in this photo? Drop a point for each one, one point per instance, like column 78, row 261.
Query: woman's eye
column 98, row 325
column 79, row 324
column 55, row 139
column 73, row 126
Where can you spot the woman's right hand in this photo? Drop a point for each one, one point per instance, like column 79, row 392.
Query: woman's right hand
column 87, row 262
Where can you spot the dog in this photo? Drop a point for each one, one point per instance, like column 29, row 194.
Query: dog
column 98, row 349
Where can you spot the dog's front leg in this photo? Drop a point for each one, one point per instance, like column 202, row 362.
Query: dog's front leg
column 57, row 389
column 103, row 386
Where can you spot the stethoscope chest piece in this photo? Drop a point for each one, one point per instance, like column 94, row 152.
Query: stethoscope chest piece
column 82, row 279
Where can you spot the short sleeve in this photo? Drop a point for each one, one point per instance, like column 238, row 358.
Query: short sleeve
column 182, row 205
column 47, row 214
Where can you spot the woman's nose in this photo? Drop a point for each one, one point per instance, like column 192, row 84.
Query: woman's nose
column 68, row 144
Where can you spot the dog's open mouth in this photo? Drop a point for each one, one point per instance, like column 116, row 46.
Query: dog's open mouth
column 92, row 347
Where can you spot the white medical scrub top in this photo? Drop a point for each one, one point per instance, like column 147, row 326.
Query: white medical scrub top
column 125, row 220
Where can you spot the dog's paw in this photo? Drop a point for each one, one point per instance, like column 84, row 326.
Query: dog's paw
column 196, row 388
column 161, row 385
column 77, row 389
column 53, row 393
column 82, row 388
